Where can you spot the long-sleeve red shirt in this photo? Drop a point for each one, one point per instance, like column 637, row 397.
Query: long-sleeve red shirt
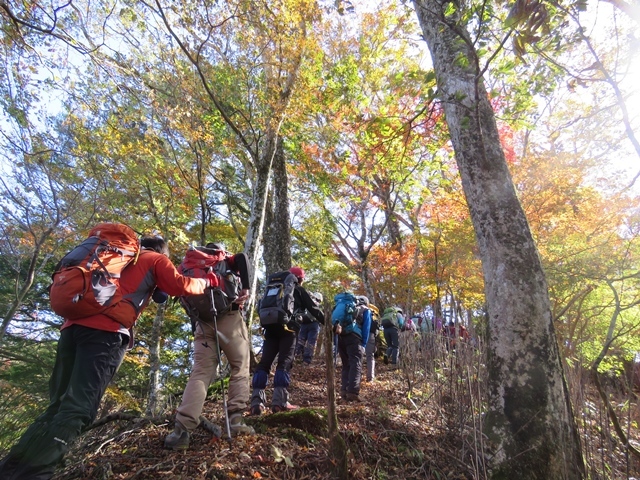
column 137, row 284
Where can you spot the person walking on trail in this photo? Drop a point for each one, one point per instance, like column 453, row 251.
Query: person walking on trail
column 234, row 343
column 280, row 341
column 352, row 339
column 392, row 321
column 308, row 335
column 370, row 348
column 453, row 333
column 88, row 355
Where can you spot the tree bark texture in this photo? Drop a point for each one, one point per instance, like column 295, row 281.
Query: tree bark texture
column 529, row 423
column 277, row 239
column 255, row 228
column 365, row 276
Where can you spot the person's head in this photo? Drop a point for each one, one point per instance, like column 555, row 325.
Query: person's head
column 215, row 249
column 298, row 272
column 317, row 296
column 155, row 243
column 399, row 310
column 362, row 300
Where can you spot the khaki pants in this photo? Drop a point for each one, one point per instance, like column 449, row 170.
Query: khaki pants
column 234, row 342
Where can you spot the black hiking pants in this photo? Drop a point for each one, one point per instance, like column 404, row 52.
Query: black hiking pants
column 278, row 342
column 86, row 361
column 391, row 336
column 351, row 352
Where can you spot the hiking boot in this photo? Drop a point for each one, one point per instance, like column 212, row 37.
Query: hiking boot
column 343, row 394
column 178, row 439
column 210, row 427
column 237, row 425
column 385, row 359
column 353, row 397
column 256, row 410
column 286, row 408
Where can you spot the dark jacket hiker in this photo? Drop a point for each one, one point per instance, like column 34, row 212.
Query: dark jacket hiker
column 280, row 331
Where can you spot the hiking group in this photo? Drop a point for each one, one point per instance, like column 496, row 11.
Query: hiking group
column 102, row 286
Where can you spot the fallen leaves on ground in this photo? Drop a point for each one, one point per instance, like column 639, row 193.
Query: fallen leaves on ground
column 387, row 437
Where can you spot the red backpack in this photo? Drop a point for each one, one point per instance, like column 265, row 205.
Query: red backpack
column 87, row 279
column 199, row 261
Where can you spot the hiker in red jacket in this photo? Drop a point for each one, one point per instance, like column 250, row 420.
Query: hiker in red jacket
column 89, row 353
column 453, row 333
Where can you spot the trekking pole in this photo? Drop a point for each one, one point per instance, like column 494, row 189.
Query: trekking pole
column 224, row 397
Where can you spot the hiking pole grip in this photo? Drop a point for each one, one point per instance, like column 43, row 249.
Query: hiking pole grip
column 224, row 396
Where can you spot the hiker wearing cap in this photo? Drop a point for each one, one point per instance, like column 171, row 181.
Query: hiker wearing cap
column 233, row 340
column 280, row 341
column 308, row 335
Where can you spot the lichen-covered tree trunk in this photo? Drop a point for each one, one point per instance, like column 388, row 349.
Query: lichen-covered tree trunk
column 277, row 239
column 259, row 199
column 529, row 423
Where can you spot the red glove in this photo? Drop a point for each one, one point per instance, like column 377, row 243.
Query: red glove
column 212, row 280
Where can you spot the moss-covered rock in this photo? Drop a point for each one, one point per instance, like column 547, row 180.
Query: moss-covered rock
column 310, row 420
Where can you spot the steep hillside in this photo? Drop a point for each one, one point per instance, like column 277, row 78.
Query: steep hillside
column 389, row 436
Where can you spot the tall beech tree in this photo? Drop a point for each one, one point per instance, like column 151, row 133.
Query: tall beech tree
column 273, row 40
column 529, row 424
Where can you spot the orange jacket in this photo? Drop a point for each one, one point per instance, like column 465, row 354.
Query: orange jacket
column 137, row 283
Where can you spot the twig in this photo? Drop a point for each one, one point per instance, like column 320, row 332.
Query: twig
column 150, row 467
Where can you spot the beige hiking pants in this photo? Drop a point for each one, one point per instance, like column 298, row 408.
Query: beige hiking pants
column 234, row 342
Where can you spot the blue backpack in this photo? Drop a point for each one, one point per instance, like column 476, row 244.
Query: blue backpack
column 345, row 311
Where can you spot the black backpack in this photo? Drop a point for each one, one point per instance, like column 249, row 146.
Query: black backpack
column 277, row 305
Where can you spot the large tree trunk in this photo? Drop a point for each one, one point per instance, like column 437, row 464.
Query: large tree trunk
column 530, row 425
column 259, row 199
column 277, row 241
